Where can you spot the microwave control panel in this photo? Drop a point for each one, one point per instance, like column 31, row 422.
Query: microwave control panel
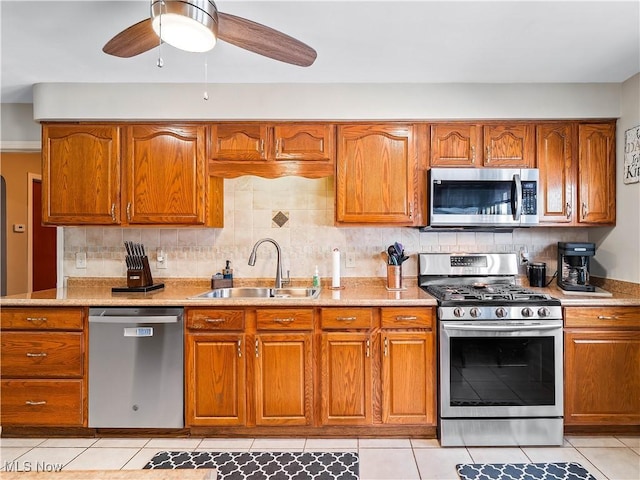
column 529, row 198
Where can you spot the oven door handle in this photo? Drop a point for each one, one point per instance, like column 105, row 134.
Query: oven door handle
column 501, row 328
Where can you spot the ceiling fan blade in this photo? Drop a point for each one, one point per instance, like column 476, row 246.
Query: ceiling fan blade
column 136, row 39
column 263, row 40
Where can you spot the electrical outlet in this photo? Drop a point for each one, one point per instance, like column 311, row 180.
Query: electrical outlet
column 81, row 260
column 161, row 259
column 522, row 257
column 350, row 261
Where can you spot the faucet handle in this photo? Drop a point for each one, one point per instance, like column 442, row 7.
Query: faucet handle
column 286, row 281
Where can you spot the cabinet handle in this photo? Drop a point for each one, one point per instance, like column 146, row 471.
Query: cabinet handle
column 31, row 403
column 262, row 147
column 278, row 145
column 36, row 319
column 129, row 211
column 584, row 210
column 113, row 212
column 41, row 354
column 608, row 317
column 368, row 348
column 386, row 346
column 406, row 318
column 568, row 211
column 488, row 153
column 411, row 211
column 239, row 348
column 257, row 351
column 473, row 154
column 346, row 319
column 284, row 321
column 215, row 320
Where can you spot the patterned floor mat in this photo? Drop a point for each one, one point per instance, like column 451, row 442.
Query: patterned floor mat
column 265, row 465
column 523, row 471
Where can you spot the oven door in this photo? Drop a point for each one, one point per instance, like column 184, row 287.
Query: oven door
column 501, row 369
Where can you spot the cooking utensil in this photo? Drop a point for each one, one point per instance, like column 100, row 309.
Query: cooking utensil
column 393, row 255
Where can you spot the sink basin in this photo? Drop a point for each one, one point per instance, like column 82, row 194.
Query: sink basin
column 259, row 292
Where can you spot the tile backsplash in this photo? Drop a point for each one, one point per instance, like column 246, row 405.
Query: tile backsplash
column 298, row 213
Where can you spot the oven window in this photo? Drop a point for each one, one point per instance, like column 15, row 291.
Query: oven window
column 502, row 371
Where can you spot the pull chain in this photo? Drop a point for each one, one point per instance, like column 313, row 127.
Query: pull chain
column 160, row 62
column 206, row 78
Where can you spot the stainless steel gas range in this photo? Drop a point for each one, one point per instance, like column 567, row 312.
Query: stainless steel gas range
column 500, row 352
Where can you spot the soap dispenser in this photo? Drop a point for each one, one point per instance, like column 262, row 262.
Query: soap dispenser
column 316, row 278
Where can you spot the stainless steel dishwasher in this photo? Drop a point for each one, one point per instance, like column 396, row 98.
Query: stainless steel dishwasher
column 136, row 377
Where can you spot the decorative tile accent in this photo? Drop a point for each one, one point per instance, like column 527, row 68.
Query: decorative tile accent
column 279, row 219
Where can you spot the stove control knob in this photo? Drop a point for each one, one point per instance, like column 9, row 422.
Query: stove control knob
column 543, row 312
column 458, row 312
column 501, row 312
column 475, row 312
column 527, row 312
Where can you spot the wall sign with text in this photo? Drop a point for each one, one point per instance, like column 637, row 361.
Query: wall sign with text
column 632, row 155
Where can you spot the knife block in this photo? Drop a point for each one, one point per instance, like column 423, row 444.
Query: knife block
column 137, row 277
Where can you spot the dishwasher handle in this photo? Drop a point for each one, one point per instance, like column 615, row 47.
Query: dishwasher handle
column 134, row 319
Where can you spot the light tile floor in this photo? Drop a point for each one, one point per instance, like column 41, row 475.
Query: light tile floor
column 607, row 458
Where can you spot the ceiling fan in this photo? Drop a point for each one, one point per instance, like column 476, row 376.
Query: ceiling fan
column 195, row 25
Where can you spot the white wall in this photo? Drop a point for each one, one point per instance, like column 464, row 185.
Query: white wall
column 618, row 249
column 18, row 130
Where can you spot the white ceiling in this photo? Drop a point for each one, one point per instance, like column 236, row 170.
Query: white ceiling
column 507, row 41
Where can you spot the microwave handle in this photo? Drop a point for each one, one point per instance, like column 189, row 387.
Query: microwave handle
column 516, row 200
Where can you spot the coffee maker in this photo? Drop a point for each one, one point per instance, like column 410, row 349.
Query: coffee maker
column 573, row 266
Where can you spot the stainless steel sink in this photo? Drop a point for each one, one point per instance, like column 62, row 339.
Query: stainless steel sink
column 259, row 292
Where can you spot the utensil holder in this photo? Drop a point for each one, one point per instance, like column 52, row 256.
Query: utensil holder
column 394, row 277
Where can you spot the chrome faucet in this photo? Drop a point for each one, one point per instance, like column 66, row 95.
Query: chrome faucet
column 252, row 260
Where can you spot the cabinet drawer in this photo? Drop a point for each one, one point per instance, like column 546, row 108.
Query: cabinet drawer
column 624, row 317
column 407, row 317
column 40, row 354
column 345, row 318
column 217, row 319
column 42, row 402
column 42, row 318
column 289, row 319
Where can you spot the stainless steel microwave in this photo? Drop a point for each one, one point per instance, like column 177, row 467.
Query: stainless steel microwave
column 498, row 197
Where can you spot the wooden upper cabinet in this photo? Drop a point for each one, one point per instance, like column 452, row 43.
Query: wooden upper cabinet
column 304, row 142
column 377, row 174
column 80, row 174
column 238, row 142
column 272, row 150
column 509, row 145
column 596, row 173
column 455, row 145
column 557, row 173
column 164, row 174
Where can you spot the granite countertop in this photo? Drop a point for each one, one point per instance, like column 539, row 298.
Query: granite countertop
column 356, row 292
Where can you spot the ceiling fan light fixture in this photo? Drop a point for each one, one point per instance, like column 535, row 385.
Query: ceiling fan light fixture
column 188, row 25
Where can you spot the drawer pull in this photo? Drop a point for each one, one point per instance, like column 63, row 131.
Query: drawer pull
column 215, row 320
column 406, row 318
column 41, row 354
column 608, row 317
column 284, row 321
column 346, row 319
column 32, row 403
column 36, row 319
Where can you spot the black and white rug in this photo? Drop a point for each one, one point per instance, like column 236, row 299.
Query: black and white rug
column 265, row 465
column 523, row 471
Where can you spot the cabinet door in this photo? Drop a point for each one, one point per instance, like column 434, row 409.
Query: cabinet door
column 164, row 174
column 376, row 175
column 304, row 142
column 346, row 379
column 238, row 142
column 283, row 379
column 215, row 380
column 408, row 355
column 557, row 173
column 596, row 173
column 80, row 175
column 602, row 377
column 454, row 145
column 509, row 145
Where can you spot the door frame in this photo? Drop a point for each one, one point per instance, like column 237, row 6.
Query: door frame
column 31, row 177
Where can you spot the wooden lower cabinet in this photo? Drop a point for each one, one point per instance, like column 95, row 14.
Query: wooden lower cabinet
column 602, row 366
column 216, row 379
column 43, row 364
column 283, row 379
column 346, row 378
